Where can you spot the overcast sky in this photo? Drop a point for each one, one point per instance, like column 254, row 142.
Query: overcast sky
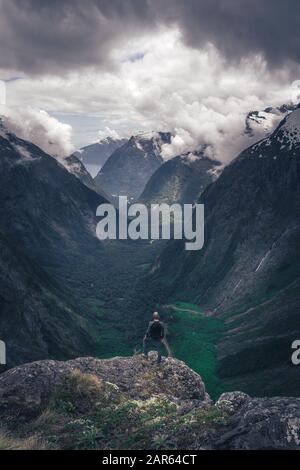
column 194, row 67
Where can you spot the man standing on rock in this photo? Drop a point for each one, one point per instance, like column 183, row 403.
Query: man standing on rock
column 155, row 335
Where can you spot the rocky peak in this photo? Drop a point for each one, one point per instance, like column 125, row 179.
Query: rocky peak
column 150, row 141
column 108, row 140
column 130, row 167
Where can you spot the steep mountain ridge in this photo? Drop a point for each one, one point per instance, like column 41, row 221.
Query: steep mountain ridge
column 129, row 168
column 36, row 189
column 77, row 168
column 48, row 216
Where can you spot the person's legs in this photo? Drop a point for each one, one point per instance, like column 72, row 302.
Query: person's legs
column 146, row 347
column 158, row 348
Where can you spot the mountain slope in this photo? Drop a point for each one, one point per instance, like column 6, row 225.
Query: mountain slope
column 48, row 216
column 180, row 179
column 94, row 156
column 249, row 268
column 43, row 206
column 37, row 320
column 129, row 168
column 77, row 168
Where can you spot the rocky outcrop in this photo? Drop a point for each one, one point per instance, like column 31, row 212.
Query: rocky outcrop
column 260, row 423
column 131, row 403
column 34, row 384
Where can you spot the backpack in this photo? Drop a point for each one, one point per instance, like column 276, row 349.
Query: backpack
column 156, row 330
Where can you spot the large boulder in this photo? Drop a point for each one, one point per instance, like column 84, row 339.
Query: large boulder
column 230, row 402
column 260, row 423
column 32, row 385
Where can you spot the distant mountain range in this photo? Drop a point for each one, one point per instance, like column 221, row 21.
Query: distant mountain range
column 118, row 166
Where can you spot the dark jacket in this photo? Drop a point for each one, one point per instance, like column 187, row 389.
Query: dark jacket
column 149, row 332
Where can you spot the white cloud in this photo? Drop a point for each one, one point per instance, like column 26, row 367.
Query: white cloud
column 108, row 132
column 35, row 125
column 2, row 93
column 220, row 126
column 193, row 93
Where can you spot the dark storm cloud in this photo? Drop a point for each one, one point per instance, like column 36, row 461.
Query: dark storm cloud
column 38, row 36
column 240, row 27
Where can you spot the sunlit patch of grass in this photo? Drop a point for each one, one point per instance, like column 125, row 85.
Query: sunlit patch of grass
column 193, row 338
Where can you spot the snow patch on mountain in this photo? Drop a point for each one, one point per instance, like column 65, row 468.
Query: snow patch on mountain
column 291, row 127
column 261, row 122
column 24, row 153
column 286, row 137
column 158, row 139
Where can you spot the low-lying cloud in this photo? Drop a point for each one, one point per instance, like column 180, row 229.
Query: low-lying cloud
column 36, row 126
column 107, row 132
column 219, row 129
